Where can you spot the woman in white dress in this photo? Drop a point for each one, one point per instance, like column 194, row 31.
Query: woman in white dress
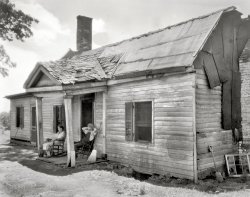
column 60, row 135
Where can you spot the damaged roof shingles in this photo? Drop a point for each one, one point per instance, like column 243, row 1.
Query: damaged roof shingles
column 172, row 46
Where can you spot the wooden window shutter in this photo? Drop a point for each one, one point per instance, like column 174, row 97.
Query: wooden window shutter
column 129, row 121
column 54, row 119
column 63, row 122
column 17, row 117
column 21, row 117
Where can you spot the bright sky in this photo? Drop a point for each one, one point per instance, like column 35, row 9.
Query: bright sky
column 114, row 20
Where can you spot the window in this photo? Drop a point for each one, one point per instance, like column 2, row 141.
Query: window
column 138, row 121
column 58, row 117
column 20, row 117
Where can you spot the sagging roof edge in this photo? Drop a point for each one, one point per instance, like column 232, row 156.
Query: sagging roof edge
column 19, row 95
column 232, row 8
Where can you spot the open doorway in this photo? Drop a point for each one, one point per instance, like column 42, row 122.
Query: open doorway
column 87, row 110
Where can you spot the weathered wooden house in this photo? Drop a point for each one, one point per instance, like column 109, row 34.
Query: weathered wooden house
column 159, row 99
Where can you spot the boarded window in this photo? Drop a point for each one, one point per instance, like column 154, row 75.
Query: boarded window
column 58, row 117
column 20, row 117
column 139, row 114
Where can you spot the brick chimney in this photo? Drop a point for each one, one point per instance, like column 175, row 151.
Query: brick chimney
column 84, row 33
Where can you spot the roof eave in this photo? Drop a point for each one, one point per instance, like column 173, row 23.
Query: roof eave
column 35, row 72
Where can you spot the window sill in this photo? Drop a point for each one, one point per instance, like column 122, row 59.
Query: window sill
column 144, row 144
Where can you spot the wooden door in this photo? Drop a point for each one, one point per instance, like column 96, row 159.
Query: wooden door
column 33, row 137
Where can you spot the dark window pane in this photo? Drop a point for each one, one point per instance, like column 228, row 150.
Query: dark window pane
column 18, row 113
column 143, row 121
column 58, row 117
column 33, row 116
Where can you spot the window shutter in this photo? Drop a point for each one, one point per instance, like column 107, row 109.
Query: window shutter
column 129, row 121
column 63, row 117
column 17, row 117
column 54, row 119
column 21, row 117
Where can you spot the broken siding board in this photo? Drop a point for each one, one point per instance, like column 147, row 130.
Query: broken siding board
column 165, row 126
column 209, row 128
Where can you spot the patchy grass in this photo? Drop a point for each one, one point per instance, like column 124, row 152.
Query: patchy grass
column 26, row 155
column 208, row 185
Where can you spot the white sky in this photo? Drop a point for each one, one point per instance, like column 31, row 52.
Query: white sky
column 114, row 20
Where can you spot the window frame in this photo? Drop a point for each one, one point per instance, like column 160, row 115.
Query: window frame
column 133, row 122
column 20, row 119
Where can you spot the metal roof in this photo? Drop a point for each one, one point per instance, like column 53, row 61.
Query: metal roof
column 172, row 47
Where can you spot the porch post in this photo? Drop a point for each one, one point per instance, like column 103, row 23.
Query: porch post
column 104, row 108
column 69, row 131
column 39, row 123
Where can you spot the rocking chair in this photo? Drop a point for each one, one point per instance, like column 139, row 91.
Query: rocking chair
column 58, row 147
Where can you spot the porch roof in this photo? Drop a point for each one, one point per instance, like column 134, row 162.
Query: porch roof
column 19, row 95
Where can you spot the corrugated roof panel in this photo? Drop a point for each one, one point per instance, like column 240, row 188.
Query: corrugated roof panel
column 189, row 28
column 132, row 67
column 171, row 61
column 181, row 40
column 183, row 46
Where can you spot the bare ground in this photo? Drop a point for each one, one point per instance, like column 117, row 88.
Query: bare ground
column 22, row 175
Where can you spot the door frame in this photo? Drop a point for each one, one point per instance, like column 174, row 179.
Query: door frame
column 90, row 97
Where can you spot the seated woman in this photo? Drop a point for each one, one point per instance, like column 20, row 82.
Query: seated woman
column 88, row 135
column 60, row 136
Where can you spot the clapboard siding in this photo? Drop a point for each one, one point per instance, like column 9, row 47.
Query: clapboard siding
column 172, row 147
column 47, row 113
column 25, row 132
column 208, row 126
column 245, row 97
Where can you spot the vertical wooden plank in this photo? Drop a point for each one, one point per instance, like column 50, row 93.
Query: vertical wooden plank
column 194, row 130
column 69, row 130
column 104, row 108
column 39, row 120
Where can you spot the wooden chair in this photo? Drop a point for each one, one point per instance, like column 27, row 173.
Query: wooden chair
column 58, row 147
column 86, row 148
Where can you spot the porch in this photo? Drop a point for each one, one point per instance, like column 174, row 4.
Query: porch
column 62, row 161
column 80, row 109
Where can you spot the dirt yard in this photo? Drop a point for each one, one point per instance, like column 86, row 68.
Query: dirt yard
column 22, row 175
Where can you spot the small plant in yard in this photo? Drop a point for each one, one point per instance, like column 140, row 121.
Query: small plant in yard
column 142, row 190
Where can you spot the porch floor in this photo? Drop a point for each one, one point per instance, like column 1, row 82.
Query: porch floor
column 61, row 160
